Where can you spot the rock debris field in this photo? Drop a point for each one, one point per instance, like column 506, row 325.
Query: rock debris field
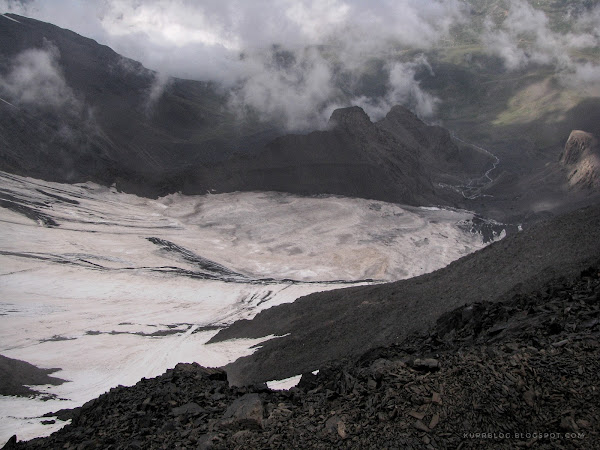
column 514, row 374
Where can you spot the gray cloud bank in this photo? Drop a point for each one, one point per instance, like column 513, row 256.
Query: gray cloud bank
column 296, row 60
column 526, row 36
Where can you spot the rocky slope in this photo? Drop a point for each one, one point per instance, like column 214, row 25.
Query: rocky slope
column 323, row 327
column 17, row 377
column 518, row 373
column 581, row 159
column 398, row 159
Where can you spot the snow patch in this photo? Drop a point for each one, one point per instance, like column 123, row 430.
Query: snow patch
column 286, row 383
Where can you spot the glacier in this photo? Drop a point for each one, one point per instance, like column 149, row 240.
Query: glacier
column 111, row 287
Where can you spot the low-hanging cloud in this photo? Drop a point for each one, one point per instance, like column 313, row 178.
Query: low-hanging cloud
column 156, row 90
column 35, row 79
column 295, row 60
column 526, row 37
column 402, row 88
column 292, row 87
column 328, row 44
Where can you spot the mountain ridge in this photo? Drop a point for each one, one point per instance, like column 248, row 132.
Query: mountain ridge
column 121, row 125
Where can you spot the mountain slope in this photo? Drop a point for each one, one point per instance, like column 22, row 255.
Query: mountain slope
column 398, row 159
column 326, row 326
column 74, row 110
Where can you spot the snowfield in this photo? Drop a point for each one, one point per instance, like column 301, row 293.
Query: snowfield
column 111, row 287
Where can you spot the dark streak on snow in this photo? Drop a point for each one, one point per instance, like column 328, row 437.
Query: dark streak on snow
column 206, row 265
column 58, row 197
column 79, row 261
column 9, row 202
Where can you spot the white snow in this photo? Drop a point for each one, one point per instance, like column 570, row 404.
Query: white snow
column 286, row 383
column 95, row 298
column 9, row 18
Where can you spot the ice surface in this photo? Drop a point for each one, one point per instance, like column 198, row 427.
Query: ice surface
column 111, row 287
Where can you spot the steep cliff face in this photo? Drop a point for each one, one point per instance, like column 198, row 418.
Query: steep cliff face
column 581, row 159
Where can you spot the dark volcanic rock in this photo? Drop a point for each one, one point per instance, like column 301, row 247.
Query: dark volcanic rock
column 396, row 160
column 351, row 120
column 245, row 412
column 11, row 443
column 354, row 157
column 503, row 382
column 354, row 319
column 16, row 376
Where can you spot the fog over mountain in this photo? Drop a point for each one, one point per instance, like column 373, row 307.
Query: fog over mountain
column 307, row 58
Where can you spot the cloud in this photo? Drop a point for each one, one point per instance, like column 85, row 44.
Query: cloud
column 292, row 88
column 329, row 44
column 293, row 61
column 526, row 36
column 35, row 79
column 156, row 90
column 185, row 38
column 402, row 88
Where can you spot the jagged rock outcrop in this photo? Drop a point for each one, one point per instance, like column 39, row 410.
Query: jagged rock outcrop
column 354, row 157
column 581, row 159
column 437, row 144
column 521, row 373
column 444, row 160
column 398, row 159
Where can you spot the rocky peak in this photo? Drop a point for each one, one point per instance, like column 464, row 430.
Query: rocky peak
column 581, row 157
column 404, row 116
column 406, row 126
column 579, row 145
column 349, row 119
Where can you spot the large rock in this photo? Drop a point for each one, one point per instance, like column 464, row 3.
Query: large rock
column 581, row 158
column 245, row 412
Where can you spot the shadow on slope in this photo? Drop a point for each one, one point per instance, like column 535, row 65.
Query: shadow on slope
column 326, row 326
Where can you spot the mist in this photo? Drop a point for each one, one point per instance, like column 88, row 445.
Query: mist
column 35, row 79
column 293, row 62
column 527, row 36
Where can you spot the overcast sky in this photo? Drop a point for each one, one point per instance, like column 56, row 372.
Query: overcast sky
column 204, row 40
